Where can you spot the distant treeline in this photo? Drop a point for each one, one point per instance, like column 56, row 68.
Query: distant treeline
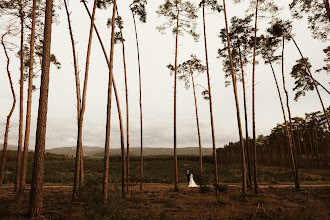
column 311, row 143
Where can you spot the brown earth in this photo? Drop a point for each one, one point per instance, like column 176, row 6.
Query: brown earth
column 159, row 201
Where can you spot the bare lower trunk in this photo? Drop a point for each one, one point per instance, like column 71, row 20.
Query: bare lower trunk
column 79, row 154
column 210, row 104
column 5, row 143
column 127, row 112
column 107, row 133
column 140, row 90
column 246, row 123
column 21, row 189
column 35, row 206
column 288, row 135
column 21, row 90
column 77, row 81
column 296, row 176
column 253, row 102
column 327, row 7
column 176, row 179
column 237, row 106
column 198, row 131
column 117, row 101
column 122, row 139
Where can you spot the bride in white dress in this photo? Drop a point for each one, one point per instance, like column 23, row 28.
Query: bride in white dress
column 191, row 181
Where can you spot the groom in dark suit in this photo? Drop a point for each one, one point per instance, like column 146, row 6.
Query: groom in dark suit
column 188, row 176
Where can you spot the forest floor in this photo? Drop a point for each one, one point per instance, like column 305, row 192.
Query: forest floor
column 160, row 201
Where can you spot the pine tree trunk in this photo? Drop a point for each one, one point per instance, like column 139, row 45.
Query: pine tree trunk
column 77, row 81
column 175, row 76
column 21, row 91
column 107, row 136
column 79, row 153
column 140, row 90
column 294, row 161
column 253, row 102
column 215, row 161
column 5, row 143
column 327, row 7
column 117, row 101
column 126, row 96
column 198, row 131
column 35, row 206
column 237, row 106
column 288, row 135
column 246, row 123
column 21, row 189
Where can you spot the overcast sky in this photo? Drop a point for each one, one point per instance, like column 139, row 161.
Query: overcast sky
column 157, row 51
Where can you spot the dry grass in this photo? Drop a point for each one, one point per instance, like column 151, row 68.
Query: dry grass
column 159, row 201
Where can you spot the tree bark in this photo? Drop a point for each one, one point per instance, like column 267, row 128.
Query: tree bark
column 327, row 7
column 210, row 104
column 107, row 133
column 253, row 102
column 5, row 143
column 117, row 101
column 21, row 95
column 79, row 153
column 127, row 111
column 246, row 123
column 288, row 134
column 296, row 176
column 237, row 106
column 35, row 206
column 176, row 179
column 140, row 90
column 198, row 131
column 21, row 189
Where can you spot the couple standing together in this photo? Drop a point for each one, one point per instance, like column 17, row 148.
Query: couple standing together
column 190, row 179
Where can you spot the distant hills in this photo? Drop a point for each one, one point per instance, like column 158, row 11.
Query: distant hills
column 98, row 152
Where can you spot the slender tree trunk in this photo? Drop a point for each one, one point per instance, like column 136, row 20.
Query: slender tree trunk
column 75, row 62
column 198, row 131
column 246, row 122
column 327, row 7
column 81, row 164
column 127, row 112
column 253, row 101
column 21, row 189
column 79, row 154
column 5, row 143
column 210, row 104
column 107, row 137
column 315, row 83
column 107, row 133
column 77, row 81
column 21, row 91
column 140, row 90
column 288, row 135
column 175, row 76
column 290, row 123
column 35, row 206
column 117, row 101
column 237, row 106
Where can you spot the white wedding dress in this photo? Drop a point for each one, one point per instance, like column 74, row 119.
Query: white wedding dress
column 192, row 182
